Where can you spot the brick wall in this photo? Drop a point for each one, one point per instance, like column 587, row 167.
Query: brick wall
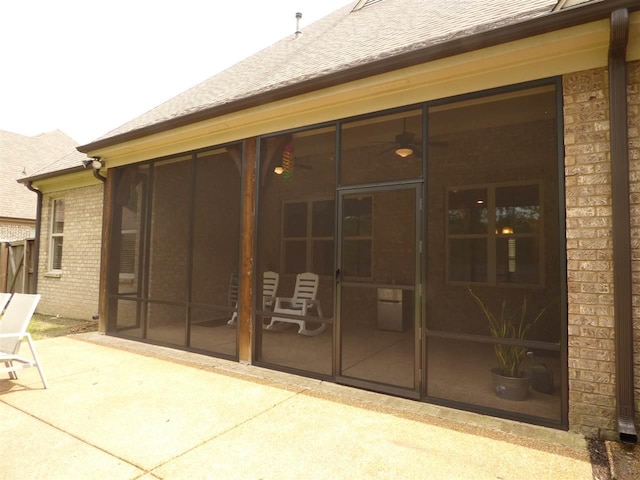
column 74, row 292
column 592, row 408
column 10, row 231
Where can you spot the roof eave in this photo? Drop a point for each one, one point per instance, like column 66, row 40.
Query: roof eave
column 570, row 17
column 44, row 176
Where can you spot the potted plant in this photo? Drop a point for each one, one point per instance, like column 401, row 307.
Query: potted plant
column 511, row 381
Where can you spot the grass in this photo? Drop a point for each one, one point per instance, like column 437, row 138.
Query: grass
column 44, row 326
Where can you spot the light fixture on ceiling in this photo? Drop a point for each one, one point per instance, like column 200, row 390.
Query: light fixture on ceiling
column 404, row 151
column 279, row 170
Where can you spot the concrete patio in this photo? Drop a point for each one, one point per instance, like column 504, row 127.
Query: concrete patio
column 123, row 410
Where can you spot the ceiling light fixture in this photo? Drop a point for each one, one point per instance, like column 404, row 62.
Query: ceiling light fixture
column 403, row 151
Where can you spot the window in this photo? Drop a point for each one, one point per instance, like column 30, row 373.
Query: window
column 494, row 234
column 57, row 231
column 308, row 237
column 128, row 244
column 357, row 237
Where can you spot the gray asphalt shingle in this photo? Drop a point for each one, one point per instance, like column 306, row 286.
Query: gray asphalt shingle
column 341, row 40
column 21, row 156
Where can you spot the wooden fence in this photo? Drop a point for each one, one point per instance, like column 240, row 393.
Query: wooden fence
column 16, row 266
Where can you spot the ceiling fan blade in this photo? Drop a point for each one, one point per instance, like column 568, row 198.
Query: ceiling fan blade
column 387, row 150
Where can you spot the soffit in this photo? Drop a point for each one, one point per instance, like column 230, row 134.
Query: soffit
column 67, row 181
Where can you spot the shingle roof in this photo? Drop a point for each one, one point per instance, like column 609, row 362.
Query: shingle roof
column 70, row 161
column 21, row 156
column 342, row 40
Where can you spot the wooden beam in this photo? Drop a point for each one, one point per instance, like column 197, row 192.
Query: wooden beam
column 107, row 221
column 235, row 152
column 245, row 307
column 273, row 147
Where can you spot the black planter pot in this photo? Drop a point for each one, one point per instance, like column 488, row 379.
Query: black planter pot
column 510, row 388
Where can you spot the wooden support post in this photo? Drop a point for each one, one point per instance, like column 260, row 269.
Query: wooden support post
column 245, row 307
column 107, row 221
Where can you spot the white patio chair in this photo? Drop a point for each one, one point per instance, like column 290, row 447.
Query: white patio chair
column 270, row 282
column 303, row 300
column 13, row 328
column 234, row 285
column 4, row 299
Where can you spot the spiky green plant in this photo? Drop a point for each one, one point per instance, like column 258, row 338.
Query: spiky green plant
column 512, row 326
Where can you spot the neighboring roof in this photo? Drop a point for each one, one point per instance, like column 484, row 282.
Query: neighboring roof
column 347, row 40
column 21, row 156
column 72, row 161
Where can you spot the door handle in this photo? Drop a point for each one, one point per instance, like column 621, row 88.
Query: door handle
column 337, row 275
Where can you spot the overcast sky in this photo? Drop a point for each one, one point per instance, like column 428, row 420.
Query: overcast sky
column 87, row 66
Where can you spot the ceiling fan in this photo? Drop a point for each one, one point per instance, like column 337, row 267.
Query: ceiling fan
column 406, row 144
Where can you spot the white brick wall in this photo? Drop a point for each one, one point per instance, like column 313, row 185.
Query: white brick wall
column 74, row 293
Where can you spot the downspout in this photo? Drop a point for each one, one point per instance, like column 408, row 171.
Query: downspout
column 36, row 241
column 97, row 164
column 621, row 229
column 96, row 173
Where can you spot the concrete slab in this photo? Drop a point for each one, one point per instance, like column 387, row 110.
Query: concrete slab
column 138, row 408
column 32, row 449
column 313, row 438
column 146, row 412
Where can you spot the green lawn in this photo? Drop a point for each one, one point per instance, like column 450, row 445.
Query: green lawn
column 43, row 326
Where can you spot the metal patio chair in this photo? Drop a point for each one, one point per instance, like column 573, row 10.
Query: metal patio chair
column 303, row 300
column 4, row 299
column 13, row 329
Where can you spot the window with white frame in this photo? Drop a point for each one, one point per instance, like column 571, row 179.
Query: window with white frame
column 57, row 233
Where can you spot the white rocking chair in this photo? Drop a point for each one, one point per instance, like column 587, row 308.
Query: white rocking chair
column 270, row 282
column 13, row 328
column 303, row 300
column 234, row 285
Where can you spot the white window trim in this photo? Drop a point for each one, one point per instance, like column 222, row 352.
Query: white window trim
column 53, row 236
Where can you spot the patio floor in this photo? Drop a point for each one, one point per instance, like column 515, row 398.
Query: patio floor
column 121, row 409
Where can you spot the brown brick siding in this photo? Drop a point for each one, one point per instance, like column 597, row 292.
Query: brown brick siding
column 592, row 410
column 74, row 293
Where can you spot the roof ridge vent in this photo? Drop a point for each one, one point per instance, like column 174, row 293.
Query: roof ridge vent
column 364, row 3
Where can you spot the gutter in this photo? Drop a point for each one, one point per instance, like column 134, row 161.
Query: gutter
column 621, row 229
column 569, row 17
column 36, row 241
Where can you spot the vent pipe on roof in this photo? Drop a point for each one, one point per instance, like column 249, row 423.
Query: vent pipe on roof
column 298, row 31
